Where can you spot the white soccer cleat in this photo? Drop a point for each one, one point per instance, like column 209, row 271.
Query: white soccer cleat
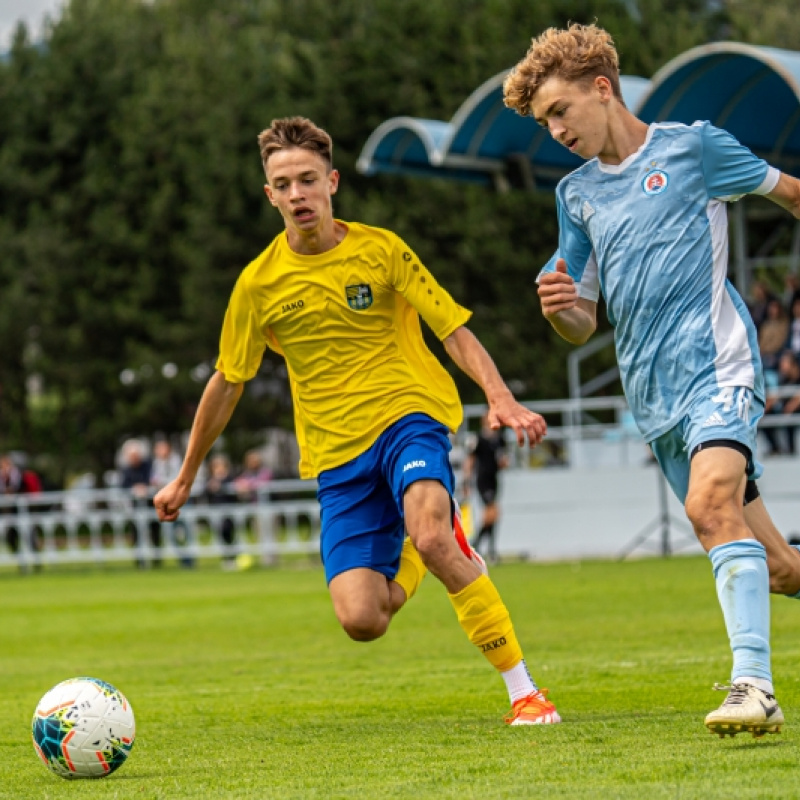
column 466, row 548
column 746, row 708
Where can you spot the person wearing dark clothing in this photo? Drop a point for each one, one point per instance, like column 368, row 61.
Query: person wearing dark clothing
column 136, row 477
column 220, row 489
column 484, row 462
column 788, row 375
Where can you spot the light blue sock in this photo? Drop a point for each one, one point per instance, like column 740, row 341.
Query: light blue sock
column 795, row 596
column 742, row 577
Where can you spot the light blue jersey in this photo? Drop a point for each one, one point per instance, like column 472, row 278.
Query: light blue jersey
column 652, row 234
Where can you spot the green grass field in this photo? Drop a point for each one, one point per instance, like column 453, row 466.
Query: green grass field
column 244, row 686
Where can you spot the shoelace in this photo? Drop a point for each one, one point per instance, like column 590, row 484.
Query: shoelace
column 537, row 699
column 737, row 693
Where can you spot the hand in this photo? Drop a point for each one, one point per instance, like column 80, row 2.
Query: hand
column 557, row 290
column 169, row 501
column 521, row 420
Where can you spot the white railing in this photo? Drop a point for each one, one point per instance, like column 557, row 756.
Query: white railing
column 110, row 525
column 283, row 521
column 573, row 424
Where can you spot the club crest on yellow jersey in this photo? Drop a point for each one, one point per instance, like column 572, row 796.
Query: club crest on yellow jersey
column 359, row 296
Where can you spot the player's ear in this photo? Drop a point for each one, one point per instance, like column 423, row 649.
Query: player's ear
column 603, row 87
column 268, row 193
column 333, row 181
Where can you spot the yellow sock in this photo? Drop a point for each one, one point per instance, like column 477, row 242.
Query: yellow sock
column 486, row 621
column 412, row 570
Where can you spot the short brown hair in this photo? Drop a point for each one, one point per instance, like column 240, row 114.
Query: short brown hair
column 289, row 132
column 579, row 53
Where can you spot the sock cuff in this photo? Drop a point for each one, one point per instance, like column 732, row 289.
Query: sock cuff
column 741, row 548
column 480, row 584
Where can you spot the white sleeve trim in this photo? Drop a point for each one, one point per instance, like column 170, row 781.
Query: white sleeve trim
column 770, row 181
column 589, row 286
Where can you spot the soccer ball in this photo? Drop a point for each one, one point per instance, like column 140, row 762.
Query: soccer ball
column 83, row 728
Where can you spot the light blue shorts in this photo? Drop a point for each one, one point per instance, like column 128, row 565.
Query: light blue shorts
column 361, row 502
column 728, row 414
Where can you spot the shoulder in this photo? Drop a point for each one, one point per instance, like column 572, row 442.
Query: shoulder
column 263, row 262
column 372, row 234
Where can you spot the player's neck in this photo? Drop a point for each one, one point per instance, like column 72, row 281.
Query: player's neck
column 626, row 134
column 317, row 241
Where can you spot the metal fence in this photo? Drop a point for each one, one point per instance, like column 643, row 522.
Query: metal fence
column 111, row 525
column 283, row 521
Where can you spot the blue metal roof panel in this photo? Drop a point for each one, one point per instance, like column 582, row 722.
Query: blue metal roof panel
column 753, row 92
column 480, row 138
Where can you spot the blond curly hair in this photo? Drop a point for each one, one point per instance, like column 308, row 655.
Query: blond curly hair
column 576, row 54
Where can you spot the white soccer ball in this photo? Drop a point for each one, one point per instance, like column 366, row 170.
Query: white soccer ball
column 83, row 728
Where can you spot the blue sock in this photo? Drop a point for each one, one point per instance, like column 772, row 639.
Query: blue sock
column 795, row 596
column 742, row 577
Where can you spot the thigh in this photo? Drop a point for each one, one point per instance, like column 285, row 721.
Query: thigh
column 359, row 594
column 673, row 459
column 361, row 526
column 420, row 453
column 487, row 492
column 727, row 415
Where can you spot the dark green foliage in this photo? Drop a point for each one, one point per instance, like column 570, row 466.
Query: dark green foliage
column 131, row 189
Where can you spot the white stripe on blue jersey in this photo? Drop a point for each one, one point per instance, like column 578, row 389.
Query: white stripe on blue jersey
column 651, row 234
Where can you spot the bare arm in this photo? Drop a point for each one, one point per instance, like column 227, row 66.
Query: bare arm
column 216, row 406
column 471, row 357
column 573, row 318
column 787, row 194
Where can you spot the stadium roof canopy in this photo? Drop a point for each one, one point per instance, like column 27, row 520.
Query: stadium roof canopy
column 753, row 92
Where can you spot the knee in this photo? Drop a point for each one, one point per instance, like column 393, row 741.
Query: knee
column 363, row 625
column 434, row 544
column 711, row 511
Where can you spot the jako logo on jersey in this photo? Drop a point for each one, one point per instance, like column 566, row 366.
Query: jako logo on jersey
column 413, row 465
column 497, row 643
column 295, row 306
column 655, row 182
column 359, row 296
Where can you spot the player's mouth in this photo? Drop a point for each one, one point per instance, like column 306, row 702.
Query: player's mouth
column 570, row 144
column 303, row 214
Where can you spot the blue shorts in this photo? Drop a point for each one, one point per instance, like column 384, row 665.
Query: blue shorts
column 361, row 501
column 729, row 413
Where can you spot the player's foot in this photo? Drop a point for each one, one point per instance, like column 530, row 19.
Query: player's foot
column 746, row 708
column 535, row 709
column 466, row 548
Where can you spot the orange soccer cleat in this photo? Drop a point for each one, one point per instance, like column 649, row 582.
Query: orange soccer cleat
column 535, row 709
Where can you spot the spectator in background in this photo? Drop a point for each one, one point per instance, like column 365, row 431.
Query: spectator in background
column 164, row 468
column 253, row 477
column 220, row 490
column 793, row 340
column 486, row 459
column 788, row 374
column 15, row 480
column 791, row 289
column 135, row 476
column 773, row 334
column 165, row 465
column 10, row 476
column 759, row 298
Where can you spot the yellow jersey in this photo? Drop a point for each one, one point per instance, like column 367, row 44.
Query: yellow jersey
column 347, row 323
